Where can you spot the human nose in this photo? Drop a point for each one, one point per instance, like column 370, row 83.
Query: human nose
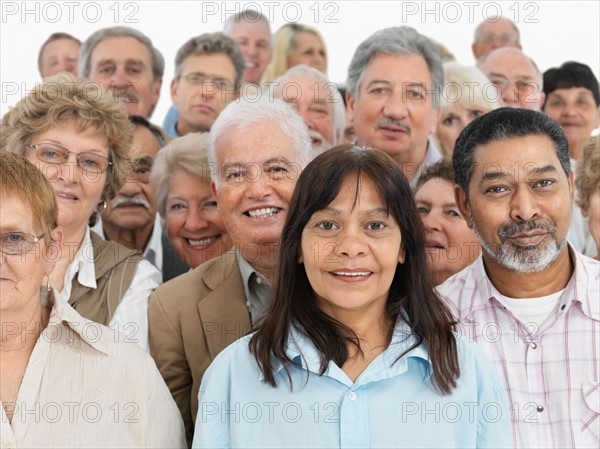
column 259, row 186
column 523, row 205
column 395, row 106
column 195, row 220
column 431, row 221
column 351, row 243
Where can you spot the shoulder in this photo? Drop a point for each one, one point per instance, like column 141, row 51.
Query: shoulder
column 234, row 361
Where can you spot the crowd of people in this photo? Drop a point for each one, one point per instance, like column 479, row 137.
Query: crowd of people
column 409, row 259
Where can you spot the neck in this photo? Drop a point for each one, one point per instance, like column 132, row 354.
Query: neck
column 263, row 258
column 21, row 328
column 72, row 240
column 183, row 128
column 531, row 285
column 410, row 162
column 136, row 238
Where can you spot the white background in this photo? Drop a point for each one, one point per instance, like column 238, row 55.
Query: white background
column 552, row 32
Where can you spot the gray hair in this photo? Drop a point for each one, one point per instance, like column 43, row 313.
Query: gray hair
column 208, row 44
column 495, row 19
column 250, row 16
column 247, row 112
column 158, row 62
column 402, row 40
column 339, row 110
column 188, row 153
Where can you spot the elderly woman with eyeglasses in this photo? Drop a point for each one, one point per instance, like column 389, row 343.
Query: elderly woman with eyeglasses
column 79, row 138
column 64, row 381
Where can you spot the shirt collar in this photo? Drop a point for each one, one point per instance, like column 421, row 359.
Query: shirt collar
column 153, row 252
column 432, row 155
column 83, row 263
column 581, row 289
column 91, row 333
column 302, row 351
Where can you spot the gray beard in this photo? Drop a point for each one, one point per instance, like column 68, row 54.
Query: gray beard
column 523, row 259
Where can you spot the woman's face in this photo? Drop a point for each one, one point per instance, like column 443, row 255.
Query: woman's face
column 452, row 122
column 192, row 220
column 593, row 214
column 310, row 51
column 78, row 191
column 21, row 274
column 350, row 251
column 450, row 244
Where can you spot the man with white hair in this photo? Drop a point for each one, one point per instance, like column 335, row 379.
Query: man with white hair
column 516, row 76
column 494, row 32
column 257, row 149
column 317, row 101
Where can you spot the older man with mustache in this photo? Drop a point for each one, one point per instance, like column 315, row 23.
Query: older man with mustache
column 531, row 300
column 395, row 82
column 131, row 217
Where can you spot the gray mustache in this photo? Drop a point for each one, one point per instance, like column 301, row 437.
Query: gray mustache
column 524, row 226
column 124, row 201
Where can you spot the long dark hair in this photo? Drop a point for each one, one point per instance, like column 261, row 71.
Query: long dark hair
column 411, row 296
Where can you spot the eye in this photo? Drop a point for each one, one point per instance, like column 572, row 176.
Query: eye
column 543, row 183
column 13, row 237
column 376, row 226
column 449, row 121
column 143, row 170
column 454, row 213
column 177, row 206
column 210, row 203
column 414, row 94
column 378, row 90
column 327, row 225
column 277, row 171
column 234, row 175
column 496, row 189
column 422, row 210
column 476, row 114
column 106, row 70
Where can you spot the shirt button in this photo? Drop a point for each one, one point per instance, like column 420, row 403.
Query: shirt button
column 258, row 280
column 533, row 345
column 540, row 408
column 352, row 396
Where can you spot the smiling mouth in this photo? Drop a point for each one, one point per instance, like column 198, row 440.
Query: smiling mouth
column 265, row 212
column 66, row 196
column 195, row 243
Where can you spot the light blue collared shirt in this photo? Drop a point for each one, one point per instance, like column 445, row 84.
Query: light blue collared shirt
column 391, row 404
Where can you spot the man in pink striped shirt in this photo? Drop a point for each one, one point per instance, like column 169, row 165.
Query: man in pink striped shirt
column 530, row 301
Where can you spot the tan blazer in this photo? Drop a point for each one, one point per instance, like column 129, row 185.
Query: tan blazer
column 191, row 319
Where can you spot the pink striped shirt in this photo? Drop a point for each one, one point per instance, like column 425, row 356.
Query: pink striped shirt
column 551, row 374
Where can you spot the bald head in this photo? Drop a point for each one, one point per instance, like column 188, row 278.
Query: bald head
column 494, row 32
column 516, row 76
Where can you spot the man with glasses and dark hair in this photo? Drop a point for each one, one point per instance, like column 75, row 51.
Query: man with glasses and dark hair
column 516, row 77
column 208, row 75
column 130, row 218
column 494, row 32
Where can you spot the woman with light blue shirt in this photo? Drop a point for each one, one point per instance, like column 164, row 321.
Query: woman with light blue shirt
column 356, row 350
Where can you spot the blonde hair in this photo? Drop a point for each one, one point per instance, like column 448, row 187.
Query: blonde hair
column 188, row 153
column 284, row 43
column 65, row 98
column 20, row 179
column 588, row 171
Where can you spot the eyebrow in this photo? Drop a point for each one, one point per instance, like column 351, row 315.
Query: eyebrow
column 145, row 160
column 429, row 203
column 491, row 176
column 89, row 150
column 370, row 212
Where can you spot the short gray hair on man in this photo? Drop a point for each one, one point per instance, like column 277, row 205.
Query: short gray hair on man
column 189, row 154
column 335, row 98
column 494, row 19
column 209, row 44
column 402, row 40
column 85, row 54
column 247, row 112
column 250, row 16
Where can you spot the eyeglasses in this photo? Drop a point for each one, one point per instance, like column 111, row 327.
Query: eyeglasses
column 52, row 153
column 201, row 79
column 521, row 87
column 505, row 39
column 18, row 242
